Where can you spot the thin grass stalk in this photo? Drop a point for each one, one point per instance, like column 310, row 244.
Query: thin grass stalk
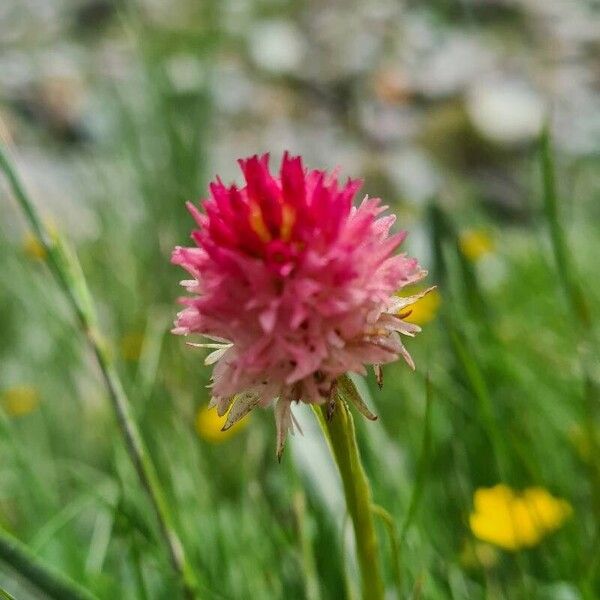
column 566, row 272
column 423, row 464
column 479, row 387
column 466, row 359
column 444, row 231
column 4, row 595
column 341, row 437
column 390, row 525
column 578, row 304
column 349, row 584
column 29, row 566
column 65, row 268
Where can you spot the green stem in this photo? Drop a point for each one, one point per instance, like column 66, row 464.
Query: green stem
column 390, row 525
column 65, row 267
column 341, row 436
column 22, row 560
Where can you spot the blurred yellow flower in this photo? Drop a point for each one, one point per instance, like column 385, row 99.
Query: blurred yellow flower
column 209, row 425
column 475, row 243
column 33, row 247
column 131, row 346
column 514, row 520
column 20, row 400
column 425, row 309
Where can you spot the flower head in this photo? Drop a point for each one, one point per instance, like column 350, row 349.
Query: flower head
column 515, row 520
column 295, row 285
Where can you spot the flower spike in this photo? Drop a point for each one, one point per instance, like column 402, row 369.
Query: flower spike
column 296, row 286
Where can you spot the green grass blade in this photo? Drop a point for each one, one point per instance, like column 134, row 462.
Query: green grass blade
column 4, row 595
column 479, row 388
column 579, row 307
column 566, row 272
column 66, row 268
column 444, row 232
column 390, row 527
column 423, row 466
column 29, row 566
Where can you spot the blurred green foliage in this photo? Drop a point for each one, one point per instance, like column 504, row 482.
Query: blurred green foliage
column 512, row 366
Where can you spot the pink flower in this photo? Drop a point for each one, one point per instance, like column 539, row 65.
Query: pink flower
column 295, row 285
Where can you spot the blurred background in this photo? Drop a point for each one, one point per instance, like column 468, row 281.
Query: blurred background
column 117, row 112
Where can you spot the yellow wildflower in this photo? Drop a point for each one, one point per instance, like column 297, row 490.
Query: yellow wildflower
column 475, row 243
column 209, row 425
column 514, row 520
column 425, row 309
column 20, row 400
column 33, row 247
column 131, row 346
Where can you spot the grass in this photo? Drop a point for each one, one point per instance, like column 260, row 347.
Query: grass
column 511, row 395
column 67, row 272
